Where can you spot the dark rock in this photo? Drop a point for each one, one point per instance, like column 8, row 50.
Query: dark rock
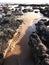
column 4, row 22
column 47, row 23
column 43, row 33
column 1, row 58
column 7, row 30
column 39, row 43
column 25, row 10
column 36, row 11
column 45, row 11
column 38, row 50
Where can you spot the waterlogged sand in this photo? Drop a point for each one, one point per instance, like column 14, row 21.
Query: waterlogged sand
column 19, row 54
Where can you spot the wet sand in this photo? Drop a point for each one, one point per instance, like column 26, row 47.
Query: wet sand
column 20, row 54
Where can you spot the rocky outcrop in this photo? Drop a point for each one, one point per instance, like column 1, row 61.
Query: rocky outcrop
column 39, row 44
column 45, row 11
column 43, row 32
column 7, row 30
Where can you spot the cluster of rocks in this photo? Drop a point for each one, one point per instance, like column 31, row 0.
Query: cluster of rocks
column 45, row 11
column 39, row 43
column 9, row 23
column 7, row 10
column 7, row 30
column 27, row 10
